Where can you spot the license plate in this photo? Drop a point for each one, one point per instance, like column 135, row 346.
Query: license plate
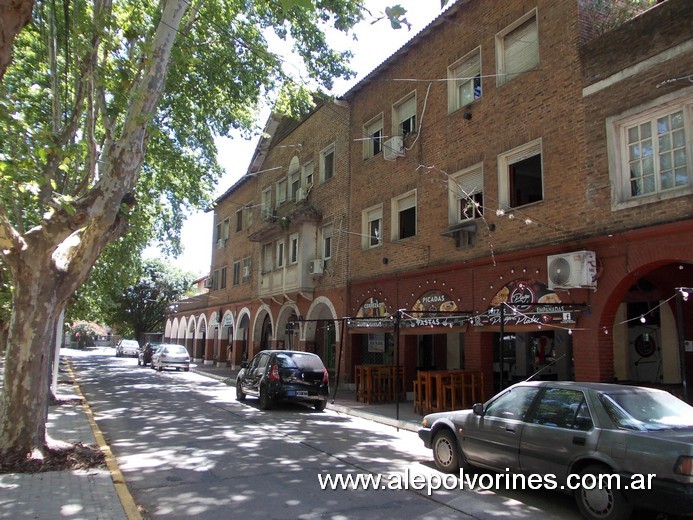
column 301, row 393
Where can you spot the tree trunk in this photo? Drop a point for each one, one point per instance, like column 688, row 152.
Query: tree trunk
column 24, row 399
column 14, row 14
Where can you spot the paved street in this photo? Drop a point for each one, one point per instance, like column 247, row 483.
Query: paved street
column 186, row 447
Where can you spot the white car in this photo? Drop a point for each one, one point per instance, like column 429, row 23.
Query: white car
column 128, row 348
column 171, row 355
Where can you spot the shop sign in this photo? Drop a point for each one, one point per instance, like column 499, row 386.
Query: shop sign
column 214, row 319
column 376, row 343
column 431, row 310
column 369, row 316
column 526, row 302
column 228, row 320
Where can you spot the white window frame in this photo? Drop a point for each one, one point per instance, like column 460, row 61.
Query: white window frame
column 368, row 215
column 240, row 221
column 326, row 233
column 517, row 48
column 248, row 215
column 293, row 249
column 280, row 254
column 267, row 258
column 617, row 145
column 308, row 172
column 464, row 77
column 506, row 160
column 281, row 191
column 236, row 273
column 463, row 188
column 327, row 151
column 266, row 203
column 399, row 204
column 225, row 229
column 295, row 184
column 373, row 138
column 404, row 111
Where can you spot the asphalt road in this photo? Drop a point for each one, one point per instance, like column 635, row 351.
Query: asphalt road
column 187, row 448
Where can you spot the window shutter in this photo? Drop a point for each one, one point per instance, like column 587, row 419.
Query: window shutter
column 407, row 202
column 469, row 69
column 524, row 153
column 470, row 183
column 522, row 48
column 407, row 109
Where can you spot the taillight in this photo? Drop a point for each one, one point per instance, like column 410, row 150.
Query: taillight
column 325, row 376
column 274, row 373
column 684, row 466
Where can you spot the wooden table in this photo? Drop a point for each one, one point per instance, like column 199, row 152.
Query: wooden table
column 378, row 383
column 441, row 390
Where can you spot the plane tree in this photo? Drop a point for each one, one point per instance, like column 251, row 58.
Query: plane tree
column 107, row 120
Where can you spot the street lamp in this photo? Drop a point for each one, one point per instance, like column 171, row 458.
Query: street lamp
column 682, row 294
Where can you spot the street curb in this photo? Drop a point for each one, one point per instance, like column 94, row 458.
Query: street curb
column 126, row 499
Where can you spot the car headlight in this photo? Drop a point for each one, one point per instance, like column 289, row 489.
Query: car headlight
column 684, row 466
column 424, row 422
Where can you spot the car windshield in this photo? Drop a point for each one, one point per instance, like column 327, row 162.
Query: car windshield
column 647, row 410
column 299, row 360
column 176, row 349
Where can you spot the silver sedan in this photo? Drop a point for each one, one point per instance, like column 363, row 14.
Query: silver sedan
column 171, row 356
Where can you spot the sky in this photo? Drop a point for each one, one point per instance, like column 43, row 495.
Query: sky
column 376, row 42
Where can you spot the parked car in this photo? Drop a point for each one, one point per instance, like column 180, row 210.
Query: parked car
column 170, row 356
column 145, row 353
column 284, row 375
column 127, row 347
column 569, row 428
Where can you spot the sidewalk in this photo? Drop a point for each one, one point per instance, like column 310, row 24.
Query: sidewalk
column 101, row 493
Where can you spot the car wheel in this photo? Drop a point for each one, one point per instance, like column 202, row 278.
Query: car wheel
column 320, row 405
column 445, row 451
column 240, row 396
column 601, row 504
column 186, row 369
column 160, row 368
column 265, row 401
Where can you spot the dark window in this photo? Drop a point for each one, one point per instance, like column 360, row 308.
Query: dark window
column 329, row 165
column 407, row 222
column 525, row 181
column 377, row 141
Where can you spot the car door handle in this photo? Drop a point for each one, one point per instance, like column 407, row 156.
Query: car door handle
column 510, row 429
column 579, row 441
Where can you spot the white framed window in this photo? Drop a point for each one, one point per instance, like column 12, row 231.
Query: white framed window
column 517, row 48
column 267, row 258
column 326, row 233
column 404, row 115
column 327, row 163
column 294, row 184
column 373, row 137
column 308, row 174
column 236, row 273
column 403, row 210
column 215, row 280
column 247, row 267
column 266, row 203
column 464, row 80
column 293, row 249
column 651, row 152
column 372, row 227
column 280, row 254
column 239, row 220
column 520, row 176
column 248, row 215
column 281, row 191
column 222, row 275
column 466, row 195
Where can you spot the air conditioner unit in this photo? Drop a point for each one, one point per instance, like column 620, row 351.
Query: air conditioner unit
column 316, row 266
column 246, row 271
column 208, row 283
column 221, row 243
column 393, row 148
column 572, row 270
column 301, row 194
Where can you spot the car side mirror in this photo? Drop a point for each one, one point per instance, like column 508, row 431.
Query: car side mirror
column 478, row 409
column 244, row 364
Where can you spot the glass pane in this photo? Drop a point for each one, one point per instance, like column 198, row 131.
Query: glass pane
column 633, row 135
column 645, row 130
column 648, row 166
column 663, row 125
column 634, row 152
column 647, row 150
column 649, row 184
column 635, row 170
column 664, row 142
column 667, row 179
column 679, row 138
column 681, row 176
column 677, row 119
column 665, row 162
column 636, row 187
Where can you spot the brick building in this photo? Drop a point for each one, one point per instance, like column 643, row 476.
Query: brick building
column 497, row 200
